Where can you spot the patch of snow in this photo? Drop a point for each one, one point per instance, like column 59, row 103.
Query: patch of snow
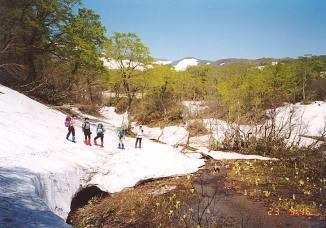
column 163, row 62
column 185, row 63
column 116, row 120
column 150, row 132
column 194, row 107
column 308, row 120
column 302, row 120
column 219, row 155
column 220, row 128
column 174, row 135
column 171, row 135
column 109, row 94
column 115, row 65
column 162, row 190
column 40, row 171
column 200, row 141
column 194, row 155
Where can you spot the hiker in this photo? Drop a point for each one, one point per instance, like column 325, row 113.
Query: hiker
column 139, row 136
column 87, row 131
column 100, row 134
column 121, row 135
column 69, row 123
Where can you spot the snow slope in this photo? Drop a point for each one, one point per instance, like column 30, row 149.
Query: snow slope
column 40, row 171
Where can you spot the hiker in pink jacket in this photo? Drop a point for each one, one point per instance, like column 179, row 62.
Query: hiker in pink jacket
column 69, row 123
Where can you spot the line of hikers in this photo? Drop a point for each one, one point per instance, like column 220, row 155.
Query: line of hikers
column 86, row 126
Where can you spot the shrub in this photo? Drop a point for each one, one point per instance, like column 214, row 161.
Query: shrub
column 90, row 109
column 197, row 128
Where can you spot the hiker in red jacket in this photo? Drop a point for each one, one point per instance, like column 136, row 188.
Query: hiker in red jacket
column 87, row 131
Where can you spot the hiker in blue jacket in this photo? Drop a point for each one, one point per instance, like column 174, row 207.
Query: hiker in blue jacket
column 100, row 134
column 121, row 135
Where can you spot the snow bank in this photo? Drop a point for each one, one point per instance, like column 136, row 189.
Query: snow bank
column 41, row 171
column 302, row 120
column 194, row 107
column 171, row 135
column 163, row 62
column 116, row 120
column 219, row 155
column 185, row 63
column 115, row 65
column 200, row 141
column 221, row 128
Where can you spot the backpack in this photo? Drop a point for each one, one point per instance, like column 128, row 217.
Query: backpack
column 67, row 121
column 120, row 133
column 100, row 130
column 86, row 126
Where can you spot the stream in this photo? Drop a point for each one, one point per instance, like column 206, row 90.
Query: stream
column 236, row 210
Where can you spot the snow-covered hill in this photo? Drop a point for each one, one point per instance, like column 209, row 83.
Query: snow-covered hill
column 40, row 171
column 185, row 63
column 163, row 62
column 179, row 65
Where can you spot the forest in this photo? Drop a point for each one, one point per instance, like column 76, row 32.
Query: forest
column 52, row 51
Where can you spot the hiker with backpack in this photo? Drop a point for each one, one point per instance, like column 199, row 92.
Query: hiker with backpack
column 69, row 123
column 100, row 134
column 121, row 135
column 139, row 136
column 87, row 131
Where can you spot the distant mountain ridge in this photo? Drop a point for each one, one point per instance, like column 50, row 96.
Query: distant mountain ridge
column 184, row 63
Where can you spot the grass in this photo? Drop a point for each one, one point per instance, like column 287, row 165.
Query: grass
column 280, row 185
column 136, row 207
column 143, row 206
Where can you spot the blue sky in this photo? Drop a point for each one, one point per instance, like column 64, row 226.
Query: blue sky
column 214, row 29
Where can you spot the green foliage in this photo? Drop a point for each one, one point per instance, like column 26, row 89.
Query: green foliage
column 309, row 68
column 42, row 33
column 127, row 47
column 252, row 89
column 132, row 56
column 82, row 39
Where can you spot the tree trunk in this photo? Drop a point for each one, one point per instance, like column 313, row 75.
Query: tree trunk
column 127, row 91
column 304, row 86
column 90, row 91
column 32, row 75
column 75, row 69
column 304, row 91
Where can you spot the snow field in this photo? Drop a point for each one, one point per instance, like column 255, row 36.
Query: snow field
column 41, row 171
